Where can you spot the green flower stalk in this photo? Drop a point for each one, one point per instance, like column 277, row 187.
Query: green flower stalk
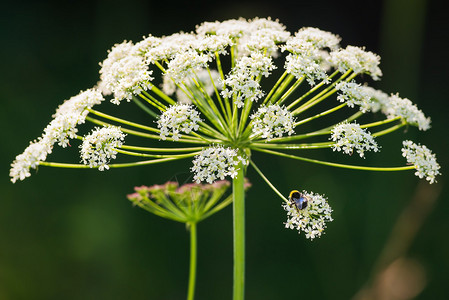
column 229, row 90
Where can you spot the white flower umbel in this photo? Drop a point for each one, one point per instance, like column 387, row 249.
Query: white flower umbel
column 36, row 152
column 313, row 219
column 124, row 73
column 423, row 159
column 176, row 119
column 349, row 136
column 378, row 99
column 243, row 82
column 358, row 60
column 404, row 108
column 80, row 103
column 263, row 35
column 216, row 162
column 63, row 128
column 185, row 64
column 99, row 147
column 272, row 120
column 307, row 56
column 354, row 94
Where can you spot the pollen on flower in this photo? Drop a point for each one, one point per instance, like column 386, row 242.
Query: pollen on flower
column 313, row 219
column 176, row 119
column 272, row 120
column 350, row 136
column 99, row 147
column 423, row 159
column 216, row 162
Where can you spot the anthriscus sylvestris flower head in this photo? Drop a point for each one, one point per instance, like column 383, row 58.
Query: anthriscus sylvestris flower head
column 226, row 95
column 423, row 159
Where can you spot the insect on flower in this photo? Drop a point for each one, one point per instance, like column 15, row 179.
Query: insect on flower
column 298, row 200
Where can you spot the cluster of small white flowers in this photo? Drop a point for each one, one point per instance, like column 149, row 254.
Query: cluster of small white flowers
column 231, row 28
column 307, row 56
column 349, row 136
column 99, row 147
column 212, row 44
column 216, row 162
column 272, row 120
column 263, row 35
column 405, row 108
column 309, row 38
column 35, row 153
column 378, row 99
column 306, row 65
column 243, row 80
column 145, row 45
column 185, row 64
column 310, row 220
column 423, row 159
column 63, row 128
column 168, row 47
column 354, row 94
column 124, row 73
column 176, row 119
column 258, row 34
column 80, row 103
column 357, row 59
column 60, row 130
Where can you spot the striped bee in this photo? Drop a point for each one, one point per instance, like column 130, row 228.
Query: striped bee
column 298, row 200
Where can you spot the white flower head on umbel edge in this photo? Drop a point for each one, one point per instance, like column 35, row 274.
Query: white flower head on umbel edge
column 311, row 219
column 423, row 159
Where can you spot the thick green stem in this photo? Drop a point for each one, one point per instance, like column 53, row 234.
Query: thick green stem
column 239, row 234
column 192, row 273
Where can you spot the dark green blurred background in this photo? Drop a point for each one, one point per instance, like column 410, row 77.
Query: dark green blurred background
column 71, row 234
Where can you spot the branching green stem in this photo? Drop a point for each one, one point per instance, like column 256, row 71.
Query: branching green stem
column 115, row 119
column 268, row 182
column 336, row 164
column 120, row 165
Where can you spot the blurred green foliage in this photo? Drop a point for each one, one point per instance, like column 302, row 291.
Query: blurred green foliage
column 72, row 234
